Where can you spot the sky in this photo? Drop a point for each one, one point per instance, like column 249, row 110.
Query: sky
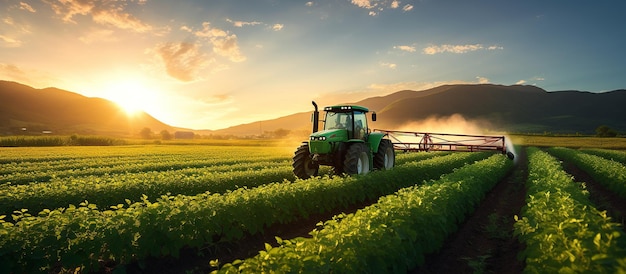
column 211, row 64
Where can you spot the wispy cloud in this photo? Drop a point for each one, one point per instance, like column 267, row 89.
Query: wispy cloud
column 223, row 42
column 105, row 35
column 377, row 6
column 9, row 42
column 482, row 80
column 182, row 60
column 533, row 79
column 27, row 7
column 240, row 24
column 405, row 48
column 389, row 65
column 33, row 77
column 277, row 27
column 110, row 13
column 431, row 50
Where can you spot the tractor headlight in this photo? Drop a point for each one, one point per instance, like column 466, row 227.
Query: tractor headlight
column 318, row 138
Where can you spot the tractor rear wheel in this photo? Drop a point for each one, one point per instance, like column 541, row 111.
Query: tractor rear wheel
column 357, row 159
column 303, row 166
column 385, row 158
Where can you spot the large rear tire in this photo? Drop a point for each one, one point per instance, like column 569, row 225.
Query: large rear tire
column 303, row 166
column 357, row 159
column 385, row 158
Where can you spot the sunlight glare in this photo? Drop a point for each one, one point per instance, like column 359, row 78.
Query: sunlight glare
column 131, row 95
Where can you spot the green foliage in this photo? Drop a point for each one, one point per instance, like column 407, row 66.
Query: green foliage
column 610, row 173
column 615, row 155
column 390, row 236
column 50, row 141
column 80, row 236
column 561, row 229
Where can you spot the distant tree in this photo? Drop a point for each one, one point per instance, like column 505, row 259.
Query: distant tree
column 605, row 131
column 165, row 135
column 145, row 133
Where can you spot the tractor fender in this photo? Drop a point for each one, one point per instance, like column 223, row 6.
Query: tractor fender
column 374, row 140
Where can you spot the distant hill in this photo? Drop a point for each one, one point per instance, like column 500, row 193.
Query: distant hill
column 516, row 108
column 24, row 109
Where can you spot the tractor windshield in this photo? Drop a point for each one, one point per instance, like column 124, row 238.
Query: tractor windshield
column 338, row 120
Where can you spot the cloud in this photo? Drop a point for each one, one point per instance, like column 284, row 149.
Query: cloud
column 482, row 80
column 31, row 77
column 27, row 7
column 227, row 46
column 182, row 60
column 222, row 42
column 363, row 4
column 277, row 27
column 12, row 72
column 240, row 24
column 405, row 48
column 309, row 4
column 389, row 65
column 104, row 35
column 217, row 99
column 102, row 12
column 536, row 78
column 431, row 50
column 9, row 42
column 377, row 6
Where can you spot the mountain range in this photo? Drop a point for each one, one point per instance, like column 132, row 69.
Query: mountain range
column 488, row 107
column 483, row 107
column 26, row 110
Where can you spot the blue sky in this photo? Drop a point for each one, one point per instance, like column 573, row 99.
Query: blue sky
column 214, row 64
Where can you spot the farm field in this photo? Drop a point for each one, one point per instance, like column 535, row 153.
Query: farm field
column 201, row 208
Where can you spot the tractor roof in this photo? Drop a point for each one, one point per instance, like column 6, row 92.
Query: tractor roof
column 345, row 108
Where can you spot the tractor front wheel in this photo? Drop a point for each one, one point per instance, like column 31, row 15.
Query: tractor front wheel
column 303, row 165
column 357, row 159
column 385, row 158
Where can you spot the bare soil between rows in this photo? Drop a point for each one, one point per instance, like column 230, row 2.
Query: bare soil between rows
column 484, row 243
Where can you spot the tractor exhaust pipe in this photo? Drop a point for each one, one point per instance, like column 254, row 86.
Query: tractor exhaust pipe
column 316, row 117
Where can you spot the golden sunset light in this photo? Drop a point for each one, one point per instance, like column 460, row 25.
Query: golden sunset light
column 199, row 64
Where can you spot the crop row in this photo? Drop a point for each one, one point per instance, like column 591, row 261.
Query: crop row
column 108, row 190
column 116, row 189
column 16, row 173
column 24, row 175
column 81, row 236
column 615, row 155
column 607, row 172
column 390, row 236
column 562, row 230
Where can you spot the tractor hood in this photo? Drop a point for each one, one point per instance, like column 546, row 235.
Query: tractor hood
column 321, row 142
column 330, row 135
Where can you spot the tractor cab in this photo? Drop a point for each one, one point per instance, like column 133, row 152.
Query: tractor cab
column 353, row 119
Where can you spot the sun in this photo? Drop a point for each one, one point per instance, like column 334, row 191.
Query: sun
column 131, row 95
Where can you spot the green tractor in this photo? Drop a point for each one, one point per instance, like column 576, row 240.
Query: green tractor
column 346, row 144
